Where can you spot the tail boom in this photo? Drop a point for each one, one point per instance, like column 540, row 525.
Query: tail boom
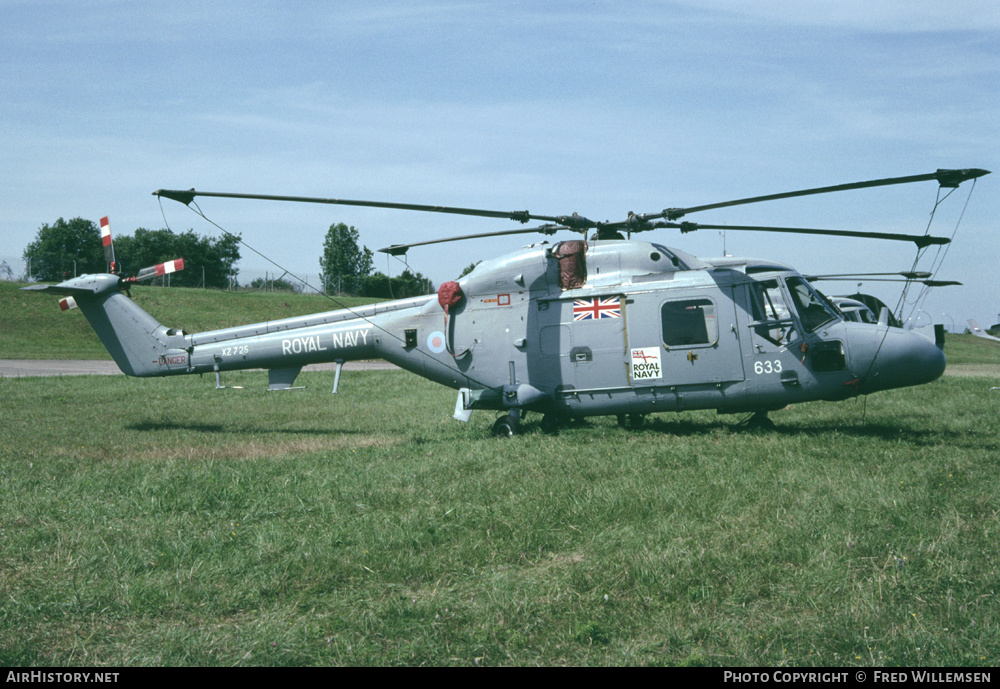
column 141, row 346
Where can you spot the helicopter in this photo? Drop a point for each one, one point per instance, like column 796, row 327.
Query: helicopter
column 978, row 331
column 601, row 325
column 854, row 310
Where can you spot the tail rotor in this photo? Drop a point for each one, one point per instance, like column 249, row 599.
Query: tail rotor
column 160, row 269
column 124, row 282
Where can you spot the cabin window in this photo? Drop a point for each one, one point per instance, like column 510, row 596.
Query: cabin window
column 689, row 322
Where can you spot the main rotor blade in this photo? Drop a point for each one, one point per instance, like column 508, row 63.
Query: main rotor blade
column 400, row 249
column 186, row 197
column 929, row 283
column 946, row 178
column 634, row 223
column 920, row 240
column 909, row 275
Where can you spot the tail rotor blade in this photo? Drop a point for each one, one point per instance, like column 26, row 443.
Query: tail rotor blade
column 160, row 269
column 109, row 247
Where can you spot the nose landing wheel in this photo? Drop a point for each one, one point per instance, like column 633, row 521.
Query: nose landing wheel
column 506, row 427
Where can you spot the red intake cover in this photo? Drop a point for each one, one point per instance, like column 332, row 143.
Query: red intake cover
column 449, row 294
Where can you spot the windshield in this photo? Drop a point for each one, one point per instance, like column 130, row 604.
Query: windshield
column 813, row 308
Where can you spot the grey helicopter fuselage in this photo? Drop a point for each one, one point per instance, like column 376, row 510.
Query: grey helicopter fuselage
column 643, row 328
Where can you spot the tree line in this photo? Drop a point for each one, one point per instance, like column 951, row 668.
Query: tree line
column 67, row 248
column 346, row 267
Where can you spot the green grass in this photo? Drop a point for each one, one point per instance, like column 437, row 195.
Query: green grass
column 969, row 349
column 163, row 522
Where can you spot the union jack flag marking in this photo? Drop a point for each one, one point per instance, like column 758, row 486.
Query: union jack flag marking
column 590, row 309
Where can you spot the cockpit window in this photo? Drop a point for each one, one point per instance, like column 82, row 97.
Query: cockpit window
column 768, row 303
column 774, row 323
column 813, row 308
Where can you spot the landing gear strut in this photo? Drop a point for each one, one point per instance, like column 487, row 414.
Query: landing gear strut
column 759, row 421
column 631, row 420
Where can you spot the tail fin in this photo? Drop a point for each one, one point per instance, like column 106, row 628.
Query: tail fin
column 979, row 332
column 138, row 343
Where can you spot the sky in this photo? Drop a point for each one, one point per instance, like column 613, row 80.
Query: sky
column 555, row 107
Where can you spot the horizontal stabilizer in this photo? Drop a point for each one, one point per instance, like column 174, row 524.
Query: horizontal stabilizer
column 61, row 289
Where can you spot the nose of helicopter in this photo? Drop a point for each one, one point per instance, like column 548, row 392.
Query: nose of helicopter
column 899, row 358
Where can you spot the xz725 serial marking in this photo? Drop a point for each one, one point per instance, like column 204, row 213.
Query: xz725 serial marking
column 235, row 351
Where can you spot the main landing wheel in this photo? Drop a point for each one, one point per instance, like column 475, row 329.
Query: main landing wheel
column 551, row 424
column 506, row 427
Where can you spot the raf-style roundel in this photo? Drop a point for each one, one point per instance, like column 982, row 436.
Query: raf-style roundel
column 435, row 342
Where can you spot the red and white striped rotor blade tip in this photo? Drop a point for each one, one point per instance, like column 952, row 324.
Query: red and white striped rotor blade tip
column 109, row 249
column 161, row 269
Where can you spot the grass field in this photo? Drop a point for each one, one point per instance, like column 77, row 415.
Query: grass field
column 163, row 522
